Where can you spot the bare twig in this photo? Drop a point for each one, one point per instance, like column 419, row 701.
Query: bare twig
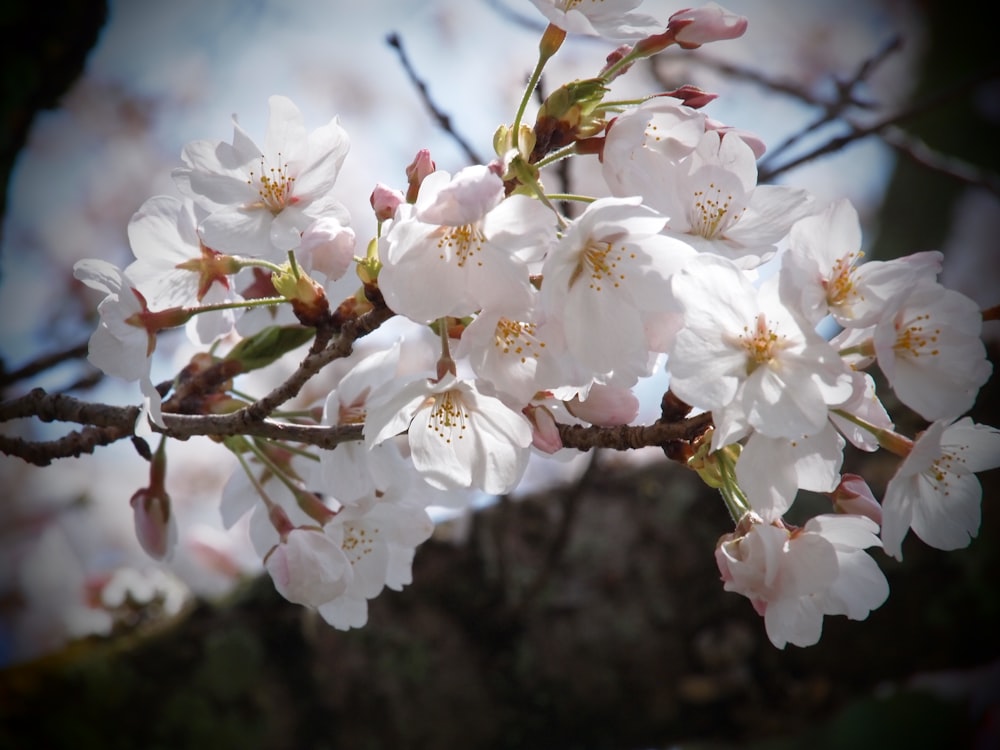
column 443, row 119
column 915, row 149
column 41, row 364
column 858, row 132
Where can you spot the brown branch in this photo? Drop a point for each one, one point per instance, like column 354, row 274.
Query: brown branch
column 915, row 149
column 41, row 364
column 858, row 132
column 630, row 437
column 73, row 445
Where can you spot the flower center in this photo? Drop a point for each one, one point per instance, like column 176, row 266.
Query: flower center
column 464, row 242
column 512, row 337
column 761, row 343
column 599, row 261
column 915, row 338
column 712, row 213
column 840, row 288
column 357, row 543
column 447, row 415
column 274, row 185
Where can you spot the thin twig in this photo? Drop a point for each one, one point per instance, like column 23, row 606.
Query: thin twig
column 41, row 364
column 443, row 120
column 858, row 132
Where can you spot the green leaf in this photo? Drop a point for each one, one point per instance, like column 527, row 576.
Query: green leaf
column 266, row 346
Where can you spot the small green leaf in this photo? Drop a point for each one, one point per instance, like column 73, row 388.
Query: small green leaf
column 266, row 346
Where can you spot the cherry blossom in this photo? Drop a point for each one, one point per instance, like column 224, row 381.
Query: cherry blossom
column 611, row 19
column 460, row 247
column 712, row 196
column 379, row 537
column 123, row 342
column 935, row 490
column 260, row 200
column 604, row 277
column 174, row 268
column 308, row 567
column 821, row 274
column 794, row 577
column 693, row 27
column 742, row 351
column 931, row 351
column 458, row 437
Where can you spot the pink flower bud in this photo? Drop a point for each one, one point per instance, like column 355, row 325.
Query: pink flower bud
column 155, row 525
column 308, row 567
column 544, row 432
column 853, row 496
column 606, row 406
column 693, row 27
column 421, row 166
column 328, row 247
column 385, row 200
column 692, row 96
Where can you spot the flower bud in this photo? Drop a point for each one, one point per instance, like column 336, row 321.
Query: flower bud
column 385, row 200
column 693, row 27
column 155, row 526
column 853, row 496
column 308, row 299
column 544, row 431
column 605, row 406
column 692, row 96
column 327, row 247
column 421, row 166
column 569, row 114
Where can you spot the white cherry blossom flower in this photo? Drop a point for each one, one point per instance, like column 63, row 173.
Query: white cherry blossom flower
column 459, row 249
column 123, row 343
column 794, row 577
column 741, row 350
column 612, row 19
column 821, row 273
column 308, row 567
column 935, row 491
column 458, row 437
column 260, row 200
column 713, row 200
column 645, row 144
column 379, row 538
column 931, row 351
column 174, row 268
column 605, row 278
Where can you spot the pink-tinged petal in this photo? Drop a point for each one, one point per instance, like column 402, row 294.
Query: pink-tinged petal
column 860, row 587
column 463, row 199
column 345, row 612
column 796, row 621
column 239, row 231
column 848, row 532
column 947, row 516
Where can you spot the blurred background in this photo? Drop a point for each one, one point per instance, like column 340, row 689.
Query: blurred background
column 586, row 613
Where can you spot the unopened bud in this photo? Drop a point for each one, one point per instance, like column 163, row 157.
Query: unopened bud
column 421, row 166
column 853, row 496
column 385, row 200
column 693, row 27
column 544, row 430
column 605, row 406
column 692, row 96
column 155, row 527
column 569, row 114
column 327, row 247
column 308, row 299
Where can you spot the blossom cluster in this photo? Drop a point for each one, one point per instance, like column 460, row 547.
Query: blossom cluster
column 513, row 317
